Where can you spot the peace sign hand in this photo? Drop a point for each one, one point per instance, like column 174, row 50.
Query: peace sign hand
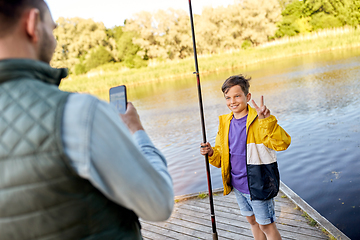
column 262, row 111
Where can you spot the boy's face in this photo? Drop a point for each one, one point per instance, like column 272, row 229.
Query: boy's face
column 237, row 101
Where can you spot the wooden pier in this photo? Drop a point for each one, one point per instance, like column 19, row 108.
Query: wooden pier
column 191, row 219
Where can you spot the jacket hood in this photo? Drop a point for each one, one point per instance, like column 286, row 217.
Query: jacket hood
column 11, row 69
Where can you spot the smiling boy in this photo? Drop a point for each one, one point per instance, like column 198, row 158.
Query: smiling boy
column 245, row 150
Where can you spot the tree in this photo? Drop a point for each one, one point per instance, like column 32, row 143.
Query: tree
column 310, row 15
column 98, row 56
column 260, row 19
column 75, row 38
column 161, row 35
column 291, row 14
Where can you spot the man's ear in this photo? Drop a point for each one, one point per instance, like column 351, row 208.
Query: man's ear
column 32, row 24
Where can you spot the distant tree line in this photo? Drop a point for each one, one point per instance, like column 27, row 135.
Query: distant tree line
column 311, row 15
column 166, row 35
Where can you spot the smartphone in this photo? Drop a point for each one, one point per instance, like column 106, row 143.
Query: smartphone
column 118, row 98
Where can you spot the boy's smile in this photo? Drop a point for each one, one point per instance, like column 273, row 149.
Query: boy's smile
column 237, row 101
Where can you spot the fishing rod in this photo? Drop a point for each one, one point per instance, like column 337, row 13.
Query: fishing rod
column 214, row 234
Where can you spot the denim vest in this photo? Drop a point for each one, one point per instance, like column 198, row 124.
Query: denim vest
column 41, row 197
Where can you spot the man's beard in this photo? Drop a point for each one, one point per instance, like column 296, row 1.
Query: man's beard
column 45, row 49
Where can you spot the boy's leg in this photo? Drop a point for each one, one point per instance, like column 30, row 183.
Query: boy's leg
column 271, row 231
column 264, row 212
column 255, row 229
column 247, row 211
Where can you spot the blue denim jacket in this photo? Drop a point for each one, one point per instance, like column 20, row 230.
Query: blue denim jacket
column 126, row 168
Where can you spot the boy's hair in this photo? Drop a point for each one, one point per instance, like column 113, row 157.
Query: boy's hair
column 240, row 80
column 11, row 11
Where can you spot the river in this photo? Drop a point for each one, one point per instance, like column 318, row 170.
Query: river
column 316, row 99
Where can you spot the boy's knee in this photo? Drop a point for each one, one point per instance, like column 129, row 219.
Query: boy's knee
column 268, row 228
column 251, row 220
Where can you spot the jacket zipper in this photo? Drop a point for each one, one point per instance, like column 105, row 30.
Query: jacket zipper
column 247, row 171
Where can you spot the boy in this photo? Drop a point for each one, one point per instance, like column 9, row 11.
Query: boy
column 245, row 150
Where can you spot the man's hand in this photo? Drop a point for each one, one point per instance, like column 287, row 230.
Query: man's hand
column 206, row 148
column 262, row 111
column 131, row 118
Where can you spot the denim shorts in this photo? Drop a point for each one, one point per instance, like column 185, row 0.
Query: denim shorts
column 264, row 210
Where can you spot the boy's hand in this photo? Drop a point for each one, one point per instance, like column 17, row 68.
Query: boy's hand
column 262, row 111
column 206, row 149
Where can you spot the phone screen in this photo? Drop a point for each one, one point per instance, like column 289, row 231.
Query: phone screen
column 118, row 98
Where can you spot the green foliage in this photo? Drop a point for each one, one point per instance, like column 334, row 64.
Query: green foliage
column 114, row 74
column 161, row 35
column 291, row 14
column 246, row 44
column 80, row 68
column 203, row 195
column 126, row 48
column 166, row 34
column 115, row 32
column 97, row 57
column 134, row 61
column 75, row 38
column 322, row 20
column 310, row 15
column 311, row 221
column 284, row 3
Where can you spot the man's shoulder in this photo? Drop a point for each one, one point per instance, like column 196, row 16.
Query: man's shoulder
column 81, row 102
column 83, row 97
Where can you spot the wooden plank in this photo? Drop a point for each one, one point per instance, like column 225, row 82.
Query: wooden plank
column 191, row 220
column 234, row 217
column 148, row 234
column 285, row 211
column 174, row 233
column 230, row 200
column 204, row 219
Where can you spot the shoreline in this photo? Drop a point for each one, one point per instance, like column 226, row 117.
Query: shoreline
column 98, row 82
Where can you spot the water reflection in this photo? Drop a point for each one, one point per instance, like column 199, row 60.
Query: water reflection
column 314, row 97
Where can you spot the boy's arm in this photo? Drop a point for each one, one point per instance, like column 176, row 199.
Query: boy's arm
column 215, row 159
column 272, row 135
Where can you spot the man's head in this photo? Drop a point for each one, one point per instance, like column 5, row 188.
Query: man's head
column 240, row 80
column 27, row 23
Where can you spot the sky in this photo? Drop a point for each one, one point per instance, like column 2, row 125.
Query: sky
column 114, row 12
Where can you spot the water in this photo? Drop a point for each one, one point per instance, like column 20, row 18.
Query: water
column 316, row 99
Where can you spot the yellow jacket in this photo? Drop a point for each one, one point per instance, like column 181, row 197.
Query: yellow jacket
column 264, row 137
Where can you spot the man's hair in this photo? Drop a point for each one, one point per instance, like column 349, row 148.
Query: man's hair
column 240, row 80
column 11, row 11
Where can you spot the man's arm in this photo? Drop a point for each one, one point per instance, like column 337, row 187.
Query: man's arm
column 127, row 169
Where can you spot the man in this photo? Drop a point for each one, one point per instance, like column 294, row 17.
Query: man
column 69, row 167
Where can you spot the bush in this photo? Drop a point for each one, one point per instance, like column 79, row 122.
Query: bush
column 135, row 61
column 79, row 69
column 246, row 44
column 98, row 57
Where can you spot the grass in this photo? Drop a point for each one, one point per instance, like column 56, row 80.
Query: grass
column 331, row 237
column 311, row 221
column 202, row 195
column 99, row 81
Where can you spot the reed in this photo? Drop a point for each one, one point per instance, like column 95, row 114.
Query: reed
column 98, row 81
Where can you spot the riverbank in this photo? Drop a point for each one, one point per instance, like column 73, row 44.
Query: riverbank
column 99, row 81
